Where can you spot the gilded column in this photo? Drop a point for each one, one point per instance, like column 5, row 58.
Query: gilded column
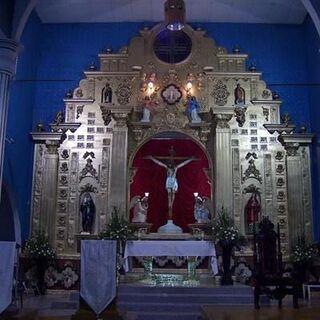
column 49, row 191
column 119, row 153
column 223, row 168
column 8, row 55
column 298, row 184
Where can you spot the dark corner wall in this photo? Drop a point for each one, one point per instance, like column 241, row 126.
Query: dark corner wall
column 56, row 55
column 18, row 148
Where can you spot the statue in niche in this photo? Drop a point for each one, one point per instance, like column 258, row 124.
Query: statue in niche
column 88, row 211
column 148, row 108
column 140, row 209
column 106, row 94
column 193, row 108
column 252, row 210
column 239, row 95
column 59, row 118
column 201, row 210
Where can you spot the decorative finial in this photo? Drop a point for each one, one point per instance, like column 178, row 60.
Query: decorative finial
column 236, row 50
column 252, row 68
column 93, row 67
column 303, row 129
column 275, row 95
column 109, row 50
column 40, row 126
column 69, row 94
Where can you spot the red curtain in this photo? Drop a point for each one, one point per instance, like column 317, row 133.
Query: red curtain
column 151, row 178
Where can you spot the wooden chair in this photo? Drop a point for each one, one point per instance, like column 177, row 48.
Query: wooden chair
column 268, row 275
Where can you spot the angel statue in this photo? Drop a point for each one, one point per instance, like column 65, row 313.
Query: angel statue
column 140, row 209
column 202, row 209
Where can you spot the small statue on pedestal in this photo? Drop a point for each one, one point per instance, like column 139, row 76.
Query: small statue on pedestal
column 148, row 108
column 140, row 209
column 201, row 210
column 239, row 95
column 193, row 108
column 88, row 211
column 106, row 94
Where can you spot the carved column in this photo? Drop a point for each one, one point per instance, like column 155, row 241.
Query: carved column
column 49, row 192
column 8, row 55
column 223, row 168
column 119, row 153
column 298, row 184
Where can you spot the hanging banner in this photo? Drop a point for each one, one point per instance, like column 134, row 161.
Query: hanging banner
column 98, row 273
column 7, row 250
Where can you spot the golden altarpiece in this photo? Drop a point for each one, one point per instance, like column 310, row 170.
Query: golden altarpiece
column 251, row 152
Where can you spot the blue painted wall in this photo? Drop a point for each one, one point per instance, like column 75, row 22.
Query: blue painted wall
column 18, row 152
column 57, row 54
column 312, row 44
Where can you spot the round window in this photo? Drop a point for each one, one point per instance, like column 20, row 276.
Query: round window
column 172, row 46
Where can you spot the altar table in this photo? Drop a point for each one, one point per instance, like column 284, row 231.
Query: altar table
column 177, row 248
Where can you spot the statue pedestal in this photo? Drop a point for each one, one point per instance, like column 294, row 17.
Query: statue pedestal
column 198, row 228
column 170, row 227
column 140, row 228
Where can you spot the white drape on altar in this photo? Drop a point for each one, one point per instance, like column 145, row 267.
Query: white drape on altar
column 7, row 250
column 98, row 273
column 173, row 248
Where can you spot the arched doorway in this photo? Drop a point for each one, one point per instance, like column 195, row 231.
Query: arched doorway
column 150, row 177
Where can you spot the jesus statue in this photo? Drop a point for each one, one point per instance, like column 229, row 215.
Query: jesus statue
column 171, row 186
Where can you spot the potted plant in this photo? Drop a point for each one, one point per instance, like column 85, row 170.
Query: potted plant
column 38, row 249
column 301, row 257
column 226, row 235
column 117, row 229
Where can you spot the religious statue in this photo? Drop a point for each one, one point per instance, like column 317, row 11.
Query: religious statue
column 193, row 108
column 239, row 95
column 148, row 108
column 88, row 211
column 201, row 210
column 140, row 209
column 252, row 210
column 59, row 118
column 171, row 184
column 106, row 94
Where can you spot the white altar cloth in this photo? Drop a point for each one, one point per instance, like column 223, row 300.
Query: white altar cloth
column 178, row 248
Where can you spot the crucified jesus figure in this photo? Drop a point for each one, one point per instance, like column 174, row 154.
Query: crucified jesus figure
column 171, row 180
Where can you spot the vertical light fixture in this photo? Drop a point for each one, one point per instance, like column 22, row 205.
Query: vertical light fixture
column 175, row 14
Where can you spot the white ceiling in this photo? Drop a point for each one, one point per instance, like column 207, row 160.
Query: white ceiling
column 242, row 11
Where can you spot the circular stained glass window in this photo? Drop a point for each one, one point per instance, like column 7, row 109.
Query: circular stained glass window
column 172, row 46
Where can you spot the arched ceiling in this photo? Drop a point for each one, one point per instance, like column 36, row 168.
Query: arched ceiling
column 237, row 11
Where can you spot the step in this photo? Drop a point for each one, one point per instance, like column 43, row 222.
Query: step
column 240, row 290
column 162, row 316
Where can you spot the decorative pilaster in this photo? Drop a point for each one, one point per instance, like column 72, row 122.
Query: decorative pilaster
column 223, row 167
column 48, row 200
column 8, row 55
column 299, row 218
column 119, row 152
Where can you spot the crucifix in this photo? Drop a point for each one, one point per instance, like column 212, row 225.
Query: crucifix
column 169, row 162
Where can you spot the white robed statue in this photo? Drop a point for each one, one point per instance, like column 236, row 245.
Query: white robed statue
column 171, row 186
column 140, row 209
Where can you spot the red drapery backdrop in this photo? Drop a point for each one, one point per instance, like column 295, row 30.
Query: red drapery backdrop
column 151, row 178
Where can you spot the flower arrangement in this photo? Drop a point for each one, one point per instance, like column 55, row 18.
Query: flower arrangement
column 223, row 229
column 117, row 228
column 302, row 252
column 38, row 246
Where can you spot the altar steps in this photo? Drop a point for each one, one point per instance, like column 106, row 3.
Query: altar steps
column 177, row 303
